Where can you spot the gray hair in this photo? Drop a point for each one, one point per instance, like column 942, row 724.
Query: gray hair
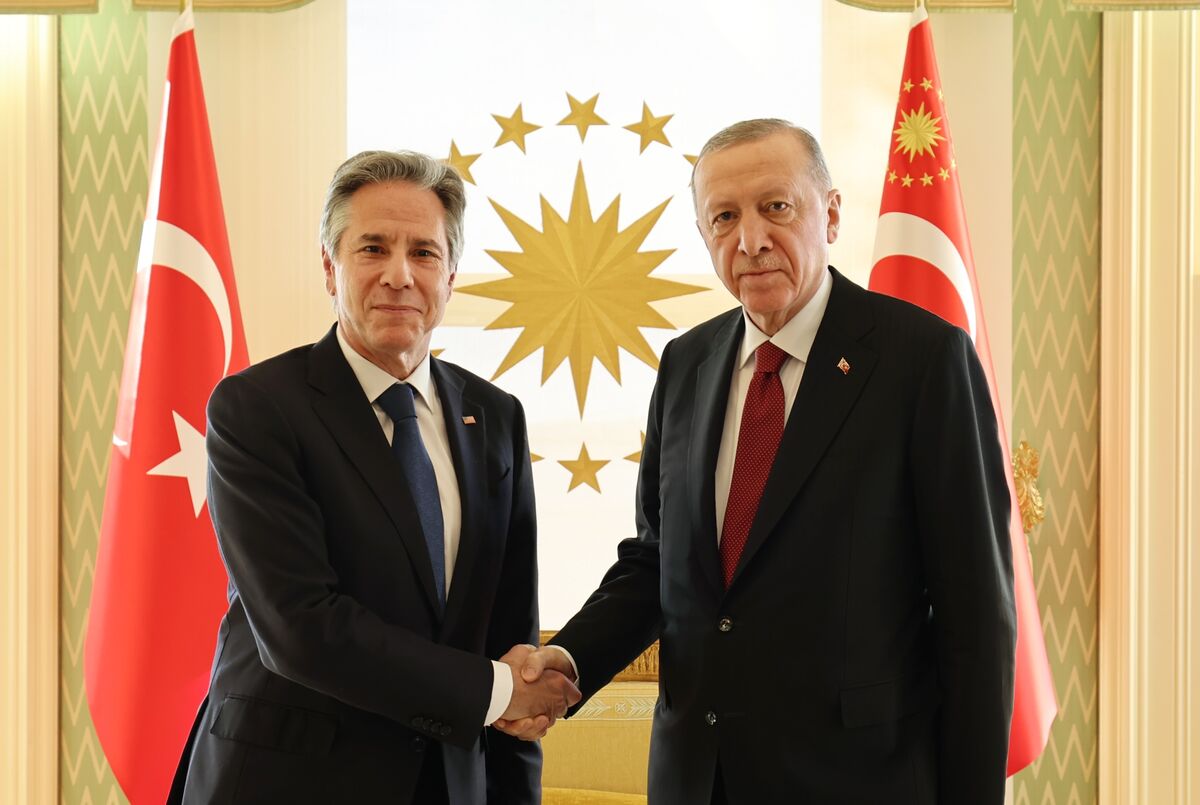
column 374, row 167
column 748, row 130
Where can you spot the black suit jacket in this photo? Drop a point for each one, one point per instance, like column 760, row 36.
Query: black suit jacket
column 864, row 650
column 334, row 669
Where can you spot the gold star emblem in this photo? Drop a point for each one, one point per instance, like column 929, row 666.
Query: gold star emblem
column 461, row 162
column 908, row 85
column 636, row 458
column 926, row 180
column 940, row 98
column 926, row 84
column 918, row 133
column 906, row 181
column 583, row 469
column 580, row 289
column 513, row 129
column 944, row 174
column 534, row 458
column 891, row 177
column 692, row 159
column 650, row 128
column 583, row 115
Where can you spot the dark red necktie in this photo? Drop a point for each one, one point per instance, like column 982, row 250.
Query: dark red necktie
column 758, row 441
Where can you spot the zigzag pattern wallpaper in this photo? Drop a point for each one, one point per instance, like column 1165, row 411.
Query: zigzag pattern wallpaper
column 1056, row 349
column 104, row 172
column 1056, row 103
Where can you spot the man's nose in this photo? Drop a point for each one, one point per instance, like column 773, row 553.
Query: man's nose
column 754, row 237
column 397, row 273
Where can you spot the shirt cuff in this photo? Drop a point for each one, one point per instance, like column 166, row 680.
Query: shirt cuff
column 502, row 691
column 570, row 659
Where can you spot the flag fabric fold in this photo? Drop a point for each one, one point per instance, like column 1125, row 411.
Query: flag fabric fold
column 923, row 255
column 159, row 588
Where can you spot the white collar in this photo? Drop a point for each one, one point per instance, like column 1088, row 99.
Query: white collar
column 797, row 335
column 376, row 381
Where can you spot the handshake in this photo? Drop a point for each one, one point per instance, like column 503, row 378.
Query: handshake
column 543, row 689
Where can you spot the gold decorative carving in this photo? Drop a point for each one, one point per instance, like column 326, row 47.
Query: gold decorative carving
column 932, row 5
column 643, row 669
column 48, row 6
column 222, row 5
column 1025, row 475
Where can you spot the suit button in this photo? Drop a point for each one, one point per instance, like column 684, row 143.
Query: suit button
column 710, row 718
column 418, row 744
column 724, row 625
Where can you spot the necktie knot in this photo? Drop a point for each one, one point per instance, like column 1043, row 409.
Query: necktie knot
column 397, row 402
column 768, row 358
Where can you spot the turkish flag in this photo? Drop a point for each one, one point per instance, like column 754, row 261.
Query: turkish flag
column 923, row 255
column 159, row 588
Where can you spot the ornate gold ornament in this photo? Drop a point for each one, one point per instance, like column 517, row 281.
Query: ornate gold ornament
column 1025, row 475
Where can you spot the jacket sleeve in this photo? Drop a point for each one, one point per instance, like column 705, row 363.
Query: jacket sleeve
column 273, row 540
column 514, row 767
column 963, row 509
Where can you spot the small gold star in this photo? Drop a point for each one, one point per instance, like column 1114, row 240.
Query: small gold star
column 945, row 174
column 926, row 180
column 513, row 129
column 534, row 458
column 691, row 158
column 583, row 469
column 891, row 177
column 926, row 84
column 908, row 85
column 636, row 458
column 583, row 115
column 436, row 352
column 461, row 162
column 650, row 128
column 906, row 181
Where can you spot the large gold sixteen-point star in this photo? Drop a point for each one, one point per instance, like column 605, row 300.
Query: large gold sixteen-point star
column 513, row 129
column 918, row 133
column 583, row 469
column 461, row 162
column 650, row 128
column 580, row 289
column 583, row 115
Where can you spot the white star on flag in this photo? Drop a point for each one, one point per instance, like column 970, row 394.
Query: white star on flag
column 190, row 462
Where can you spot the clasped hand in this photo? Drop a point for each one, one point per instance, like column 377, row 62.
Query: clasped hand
column 543, row 690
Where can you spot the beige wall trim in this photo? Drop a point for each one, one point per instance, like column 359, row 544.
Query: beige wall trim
column 221, row 5
column 47, row 6
column 29, row 410
column 932, row 5
column 1150, row 395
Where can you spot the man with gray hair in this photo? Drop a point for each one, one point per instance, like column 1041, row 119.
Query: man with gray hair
column 374, row 509
column 822, row 540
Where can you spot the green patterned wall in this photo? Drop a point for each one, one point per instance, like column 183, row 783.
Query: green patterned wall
column 1056, row 337
column 104, row 174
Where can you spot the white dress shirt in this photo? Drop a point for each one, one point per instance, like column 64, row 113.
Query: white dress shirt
column 796, row 339
column 432, row 425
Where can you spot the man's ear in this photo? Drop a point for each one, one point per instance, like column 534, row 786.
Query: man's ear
column 330, row 282
column 835, row 215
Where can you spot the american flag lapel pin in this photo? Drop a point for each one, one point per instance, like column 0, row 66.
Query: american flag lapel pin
column 468, row 420
column 844, row 365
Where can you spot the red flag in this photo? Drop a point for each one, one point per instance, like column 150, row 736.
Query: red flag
column 159, row 588
column 923, row 255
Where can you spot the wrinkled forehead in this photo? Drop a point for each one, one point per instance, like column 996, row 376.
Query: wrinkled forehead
column 769, row 164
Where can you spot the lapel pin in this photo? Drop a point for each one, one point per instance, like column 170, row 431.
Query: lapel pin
column 844, row 365
column 468, row 420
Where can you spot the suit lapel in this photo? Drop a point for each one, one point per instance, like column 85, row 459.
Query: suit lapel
column 347, row 413
column 468, row 441
column 710, row 400
column 825, row 398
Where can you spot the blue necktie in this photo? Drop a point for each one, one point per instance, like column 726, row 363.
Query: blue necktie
column 409, row 450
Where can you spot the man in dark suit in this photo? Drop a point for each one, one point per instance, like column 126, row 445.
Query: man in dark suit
column 379, row 537
column 822, row 526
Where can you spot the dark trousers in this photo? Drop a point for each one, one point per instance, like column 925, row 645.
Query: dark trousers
column 719, row 796
column 431, row 785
